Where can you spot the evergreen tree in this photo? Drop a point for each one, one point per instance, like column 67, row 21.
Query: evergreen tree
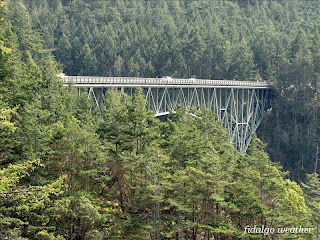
column 242, row 65
column 312, row 194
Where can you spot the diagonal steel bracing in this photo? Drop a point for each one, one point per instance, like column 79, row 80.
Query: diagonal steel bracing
column 239, row 105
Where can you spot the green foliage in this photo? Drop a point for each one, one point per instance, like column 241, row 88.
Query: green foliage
column 12, row 174
column 21, row 204
column 276, row 193
column 276, row 41
column 79, row 216
column 312, row 195
column 4, row 50
column 69, row 173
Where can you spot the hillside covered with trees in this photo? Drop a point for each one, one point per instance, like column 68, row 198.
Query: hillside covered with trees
column 276, row 41
column 69, row 173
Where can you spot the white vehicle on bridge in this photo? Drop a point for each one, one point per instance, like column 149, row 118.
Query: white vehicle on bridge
column 168, row 79
column 192, row 80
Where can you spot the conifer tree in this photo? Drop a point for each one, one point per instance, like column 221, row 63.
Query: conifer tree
column 312, row 195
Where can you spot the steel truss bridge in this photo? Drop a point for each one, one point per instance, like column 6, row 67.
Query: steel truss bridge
column 239, row 105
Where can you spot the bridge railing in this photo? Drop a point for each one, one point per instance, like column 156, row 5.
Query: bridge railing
column 82, row 80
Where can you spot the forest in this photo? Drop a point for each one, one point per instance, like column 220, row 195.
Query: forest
column 67, row 172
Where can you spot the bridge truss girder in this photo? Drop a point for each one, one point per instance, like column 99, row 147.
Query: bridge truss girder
column 239, row 109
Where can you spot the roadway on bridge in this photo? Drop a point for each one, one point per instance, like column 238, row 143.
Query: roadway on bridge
column 87, row 81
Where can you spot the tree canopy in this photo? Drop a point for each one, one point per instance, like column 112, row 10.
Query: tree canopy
column 67, row 172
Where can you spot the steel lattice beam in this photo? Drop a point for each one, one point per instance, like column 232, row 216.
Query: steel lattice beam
column 240, row 106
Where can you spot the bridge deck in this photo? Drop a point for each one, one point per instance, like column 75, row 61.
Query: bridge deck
column 85, row 81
